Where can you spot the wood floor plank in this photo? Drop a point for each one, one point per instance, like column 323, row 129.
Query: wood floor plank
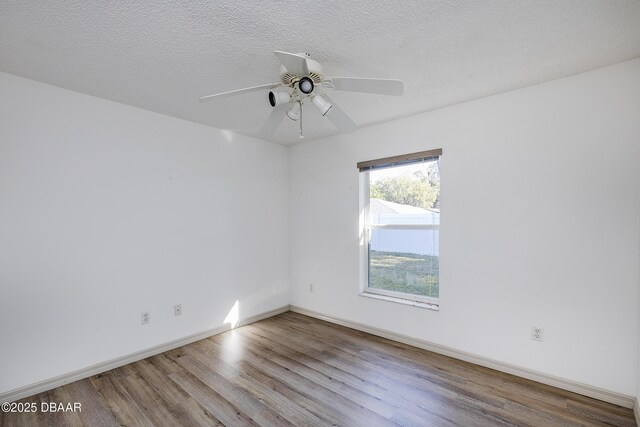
column 600, row 416
column 246, row 402
column 439, row 401
column 408, row 382
column 340, row 382
column 26, row 419
column 44, row 416
column 211, row 400
column 155, row 407
column 338, row 352
column 290, row 372
column 483, row 376
column 126, row 410
column 502, row 385
column 295, row 370
column 187, row 410
column 295, row 404
column 94, row 410
column 61, row 396
column 467, row 391
column 350, row 411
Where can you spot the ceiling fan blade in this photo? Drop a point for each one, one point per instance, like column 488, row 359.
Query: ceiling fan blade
column 296, row 64
column 339, row 118
column 357, row 84
column 240, row 91
column 269, row 127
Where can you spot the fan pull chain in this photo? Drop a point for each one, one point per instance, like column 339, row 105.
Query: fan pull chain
column 300, row 121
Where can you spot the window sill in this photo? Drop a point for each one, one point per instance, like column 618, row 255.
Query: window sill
column 425, row 305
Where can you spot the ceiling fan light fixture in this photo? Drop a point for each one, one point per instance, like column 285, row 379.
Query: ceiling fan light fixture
column 305, row 85
column 321, row 103
column 294, row 112
column 279, row 97
column 299, row 74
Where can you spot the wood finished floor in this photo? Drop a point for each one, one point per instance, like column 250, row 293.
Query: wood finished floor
column 293, row 370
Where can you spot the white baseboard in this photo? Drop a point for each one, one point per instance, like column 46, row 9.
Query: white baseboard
column 636, row 410
column 576, row 387
column 60, row 380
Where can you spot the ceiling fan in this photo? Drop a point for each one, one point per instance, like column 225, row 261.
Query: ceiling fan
column 303, row 81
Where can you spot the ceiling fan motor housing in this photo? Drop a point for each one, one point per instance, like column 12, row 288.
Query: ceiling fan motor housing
column 315, row 73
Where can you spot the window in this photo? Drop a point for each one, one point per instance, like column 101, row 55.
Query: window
column 400, row 217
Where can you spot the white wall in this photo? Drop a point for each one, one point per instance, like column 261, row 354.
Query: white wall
column 540, row 208
column 107, row 211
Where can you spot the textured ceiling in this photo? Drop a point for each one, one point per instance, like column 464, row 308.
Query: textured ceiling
column 164, row 55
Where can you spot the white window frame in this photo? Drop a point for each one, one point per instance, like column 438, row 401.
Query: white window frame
column 365, row 239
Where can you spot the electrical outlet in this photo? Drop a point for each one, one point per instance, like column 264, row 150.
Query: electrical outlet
column 177, row 310
column 145, row 317
column 537, row 334
column 310, row 287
